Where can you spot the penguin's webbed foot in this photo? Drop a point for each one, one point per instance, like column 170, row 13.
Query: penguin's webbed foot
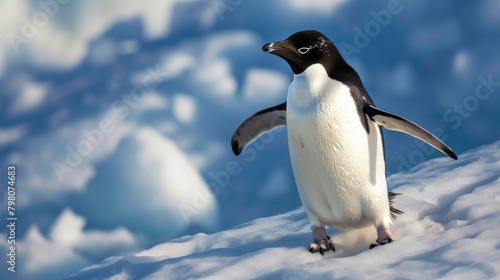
column 321, row 242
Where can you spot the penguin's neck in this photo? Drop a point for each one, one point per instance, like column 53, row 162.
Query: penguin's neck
column 308, row 86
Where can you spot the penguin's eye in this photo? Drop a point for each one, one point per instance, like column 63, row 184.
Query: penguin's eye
column 303, row 50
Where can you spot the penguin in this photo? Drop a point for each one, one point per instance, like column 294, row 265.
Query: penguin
column 335, row 140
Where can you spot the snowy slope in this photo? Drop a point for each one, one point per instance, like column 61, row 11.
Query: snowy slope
column 449, row 230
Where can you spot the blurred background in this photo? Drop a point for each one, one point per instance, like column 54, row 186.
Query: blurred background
column 118, row 114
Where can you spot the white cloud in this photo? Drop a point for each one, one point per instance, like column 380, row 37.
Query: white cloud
column 213, row 72
column 76, row 147
column 216, row 77
column 219, row 43
column 31, row 95
column 322, row 6
column 174, row 185
column 11, row 134
column 177, row 63
column 36, row 250
column 153, row 101
column 262, row 85
column 159, row 190
column 68, row 246
column 68, row 230
column 184, row 108
column 10, row 15
column 64, row 45
column 463, row 65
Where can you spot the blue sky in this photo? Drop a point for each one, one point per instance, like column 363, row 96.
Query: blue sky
column 119, row 115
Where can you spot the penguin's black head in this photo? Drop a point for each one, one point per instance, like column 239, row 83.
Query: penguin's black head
column 305, row 48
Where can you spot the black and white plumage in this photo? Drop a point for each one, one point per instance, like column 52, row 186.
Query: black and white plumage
column 335, row 139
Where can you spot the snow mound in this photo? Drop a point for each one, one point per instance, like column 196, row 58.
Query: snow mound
column 449, row 229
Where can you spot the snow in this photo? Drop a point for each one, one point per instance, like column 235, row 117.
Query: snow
column 449, row 230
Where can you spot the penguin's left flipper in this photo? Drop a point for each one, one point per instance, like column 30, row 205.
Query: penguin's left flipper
column 256, row 125
column 395, row 122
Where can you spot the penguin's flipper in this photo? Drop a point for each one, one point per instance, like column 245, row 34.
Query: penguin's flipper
column 258, row 124
column 394, row 122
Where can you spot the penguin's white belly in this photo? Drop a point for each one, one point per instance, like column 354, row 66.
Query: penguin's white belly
column 339, row 168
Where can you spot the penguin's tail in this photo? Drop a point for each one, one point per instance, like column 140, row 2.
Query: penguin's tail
column 393, row 210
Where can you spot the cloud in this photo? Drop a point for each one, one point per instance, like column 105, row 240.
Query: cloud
column 220, row 43
column 177, row 186
column 216, row 77
column 68, row 230
column 31, row 95
column 463, row 65
column 214, row 73
column 43, row 257
column 68, row 247
column 159, row 190
column 62, row 161
column 262, row 85
column 321, row 6
column 184, row 108
column 177, row 63
column 11, row 134
column 41, row 39
column 153, row 101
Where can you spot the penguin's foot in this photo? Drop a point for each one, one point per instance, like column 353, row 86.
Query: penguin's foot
column 384, row 236
column 321, row 242
column 383, row 242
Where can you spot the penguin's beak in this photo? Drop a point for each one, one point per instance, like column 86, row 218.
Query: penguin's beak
column 276, row 47
column 271, row 47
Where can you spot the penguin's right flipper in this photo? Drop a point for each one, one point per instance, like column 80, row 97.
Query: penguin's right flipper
column 258, row 124
column 395, row 122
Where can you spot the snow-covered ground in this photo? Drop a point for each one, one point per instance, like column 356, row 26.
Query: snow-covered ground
column 449, row 230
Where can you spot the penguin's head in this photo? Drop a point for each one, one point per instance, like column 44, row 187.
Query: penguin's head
column 305, row 48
